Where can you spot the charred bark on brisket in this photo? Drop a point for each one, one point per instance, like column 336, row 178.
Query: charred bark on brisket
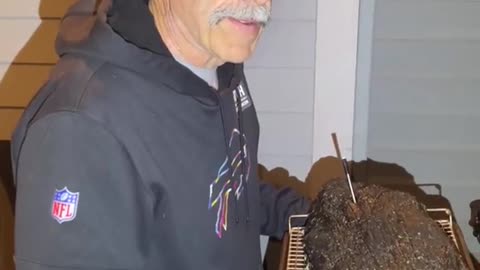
column 386, row 229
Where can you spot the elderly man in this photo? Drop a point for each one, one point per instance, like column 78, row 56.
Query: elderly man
column 140, row 152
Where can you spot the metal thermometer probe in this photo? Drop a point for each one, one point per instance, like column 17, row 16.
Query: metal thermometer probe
column 347, row 174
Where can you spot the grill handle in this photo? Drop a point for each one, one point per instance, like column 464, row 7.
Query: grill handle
column 297, row 221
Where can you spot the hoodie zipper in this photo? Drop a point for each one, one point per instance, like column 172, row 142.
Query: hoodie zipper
column 242, row 145
column 239, row 114
column 230, row 157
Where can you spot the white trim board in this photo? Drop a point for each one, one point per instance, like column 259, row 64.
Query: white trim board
column 335, row 76
column 362, row 91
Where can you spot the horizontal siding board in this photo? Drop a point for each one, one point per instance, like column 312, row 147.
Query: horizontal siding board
column 426, row 58
column 416, row 129
column 427, row 19
column 425, row 95
column 34, row 8
column 294, row 10
column 18, row 83
column 424, row 147
column 8, row 121
column 286, row 44
column 285, row 133
column 281, row 90
column 32, row 41
column 431, row 165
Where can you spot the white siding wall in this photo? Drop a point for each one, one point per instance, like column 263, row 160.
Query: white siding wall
column 281, row 77
column 425, row 90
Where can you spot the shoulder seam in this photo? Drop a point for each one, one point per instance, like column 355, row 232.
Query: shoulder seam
column 87, row 84
column 91, row 119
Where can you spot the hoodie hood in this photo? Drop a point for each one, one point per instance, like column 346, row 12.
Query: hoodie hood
column 107, row 30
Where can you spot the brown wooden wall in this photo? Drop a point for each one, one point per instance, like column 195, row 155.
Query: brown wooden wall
column 27, row 54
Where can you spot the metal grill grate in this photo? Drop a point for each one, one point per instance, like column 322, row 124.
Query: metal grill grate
column 296, row 254
column 296, row 258
column 446, row 224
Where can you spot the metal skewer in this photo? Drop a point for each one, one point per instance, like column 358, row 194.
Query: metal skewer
column 345, row 166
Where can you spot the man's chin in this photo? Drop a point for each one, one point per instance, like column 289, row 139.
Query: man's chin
column 237, row 56
column 234, row 48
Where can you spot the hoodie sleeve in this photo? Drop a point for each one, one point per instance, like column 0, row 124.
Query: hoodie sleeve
column 277, row 206
column 80, row 203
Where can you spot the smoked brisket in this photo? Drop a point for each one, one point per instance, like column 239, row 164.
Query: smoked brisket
column 386, row 229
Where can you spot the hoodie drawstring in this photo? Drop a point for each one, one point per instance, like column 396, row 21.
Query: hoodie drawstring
column 229, row 156
column 242, row 154
column 242, row 149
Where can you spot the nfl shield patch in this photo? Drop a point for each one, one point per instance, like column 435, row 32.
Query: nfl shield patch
column 64, row 205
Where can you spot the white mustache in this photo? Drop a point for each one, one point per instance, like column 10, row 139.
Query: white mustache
column 259, row 14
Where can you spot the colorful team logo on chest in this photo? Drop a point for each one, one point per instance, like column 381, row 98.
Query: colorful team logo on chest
column 64, row 205
column 230, row 179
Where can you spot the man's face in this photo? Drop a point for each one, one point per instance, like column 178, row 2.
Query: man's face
column 226, row 29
